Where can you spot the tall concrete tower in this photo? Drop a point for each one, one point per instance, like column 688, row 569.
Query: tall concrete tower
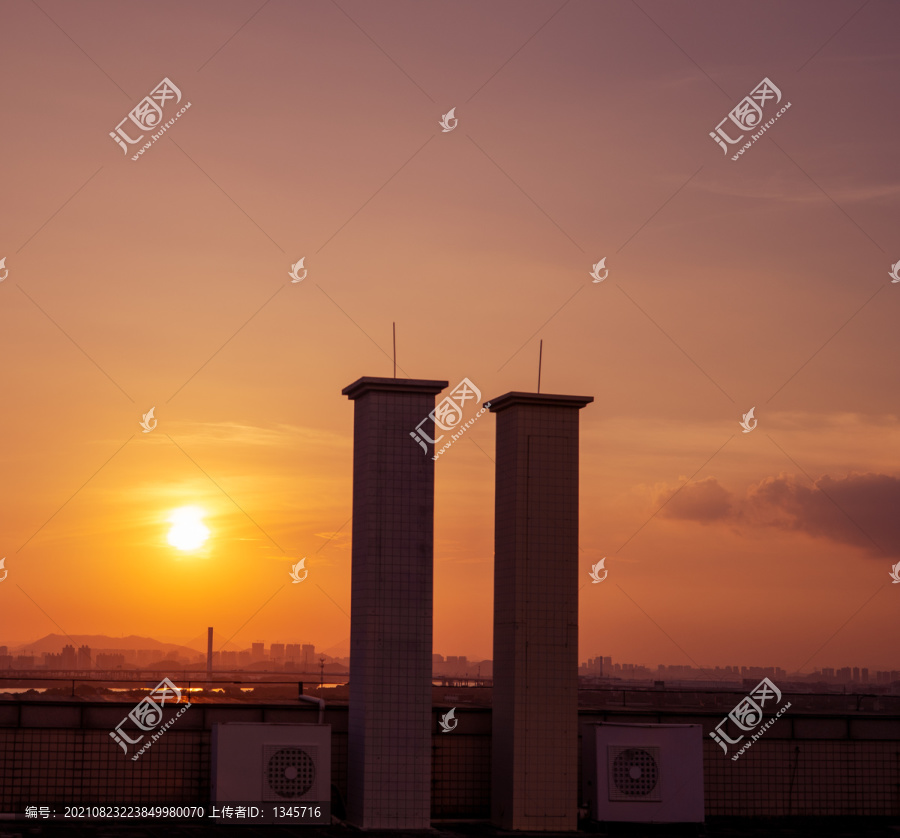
column 535, row 702
column 389, row 748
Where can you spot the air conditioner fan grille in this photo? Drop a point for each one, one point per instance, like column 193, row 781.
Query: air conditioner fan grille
column 290, row 772
column 634, row 773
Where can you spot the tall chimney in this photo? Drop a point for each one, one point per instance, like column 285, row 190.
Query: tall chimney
column 209, row 644
column 535, row 695
column 390, row 719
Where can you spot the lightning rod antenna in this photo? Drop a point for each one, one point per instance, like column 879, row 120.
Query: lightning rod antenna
column 540, row 358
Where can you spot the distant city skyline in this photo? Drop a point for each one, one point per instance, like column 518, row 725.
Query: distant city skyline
column 606, row 668
column 307, row 654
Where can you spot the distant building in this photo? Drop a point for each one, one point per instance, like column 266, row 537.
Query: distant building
column 24, row 662
column 257, row 652
column 110, row 660
column 293, row 652
column 69, row 657
column 84, row 657
column 276, row 652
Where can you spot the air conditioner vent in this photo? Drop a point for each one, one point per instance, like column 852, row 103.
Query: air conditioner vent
column 290, row 772
column 643, row 773
column 634, row 773
column 262, row 761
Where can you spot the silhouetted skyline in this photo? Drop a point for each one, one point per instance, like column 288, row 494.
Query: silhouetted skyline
column 309, row 656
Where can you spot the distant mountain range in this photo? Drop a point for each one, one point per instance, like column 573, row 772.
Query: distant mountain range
column 195, row 646
column 53, row 643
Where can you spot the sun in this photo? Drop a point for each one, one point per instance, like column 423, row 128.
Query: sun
column 188, row 531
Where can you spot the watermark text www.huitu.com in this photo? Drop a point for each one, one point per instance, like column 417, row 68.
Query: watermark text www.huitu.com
column 147, row 715
column 748, row 114
column 448, row 415
column 748, row 714
column 761, row 731
column 148, row 114
column 762, row 130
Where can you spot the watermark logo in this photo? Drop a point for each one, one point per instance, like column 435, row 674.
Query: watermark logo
column 447, row 119
column 748, row 114
column 295, row 271
column 595, row 572
column 147, row 115
column 448, row 717
column 601, row 265
column 746, row 419
column 748, row 715
column 894, row 272
column 895, row 572
column 295, row 571
column 3, row 269
column 2, row 568
column 448, row 415
column 146, row 419
column 147, row 714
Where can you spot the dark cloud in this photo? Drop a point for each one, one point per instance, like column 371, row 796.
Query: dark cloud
column 862, row 510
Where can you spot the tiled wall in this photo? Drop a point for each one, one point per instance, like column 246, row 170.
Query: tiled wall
column 461, row 776
column 392, row 605
column 804, row 777
column 42, row 767
column 535, row 660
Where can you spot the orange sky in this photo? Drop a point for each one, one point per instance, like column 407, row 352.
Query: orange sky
column 313, row 131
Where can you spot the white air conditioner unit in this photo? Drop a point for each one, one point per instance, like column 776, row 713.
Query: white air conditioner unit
column 643, row 773
column 271, row 762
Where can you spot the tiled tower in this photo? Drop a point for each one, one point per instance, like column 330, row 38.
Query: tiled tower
column 389, row 748
column 535, row 702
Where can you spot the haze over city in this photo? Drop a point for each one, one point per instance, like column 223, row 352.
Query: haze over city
column 98, row 654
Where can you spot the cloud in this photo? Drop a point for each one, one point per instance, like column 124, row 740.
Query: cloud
column 859, row 509
column 235, row 433
column 704, row 502
column 777, row 188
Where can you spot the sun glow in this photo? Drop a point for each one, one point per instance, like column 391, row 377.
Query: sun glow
column 188, row 531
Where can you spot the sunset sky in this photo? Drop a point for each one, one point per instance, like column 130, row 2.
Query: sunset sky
column 583, row 133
